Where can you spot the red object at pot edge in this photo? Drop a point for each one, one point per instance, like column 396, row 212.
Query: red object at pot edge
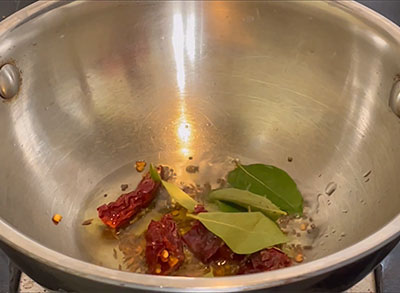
column 265, row 260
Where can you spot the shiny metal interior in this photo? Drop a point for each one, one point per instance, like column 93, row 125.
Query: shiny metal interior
column 108, row 83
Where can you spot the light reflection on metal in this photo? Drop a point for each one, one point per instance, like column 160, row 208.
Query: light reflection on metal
column 178, row 43
column 190, row 41
column 184, row 130
column 182, row 43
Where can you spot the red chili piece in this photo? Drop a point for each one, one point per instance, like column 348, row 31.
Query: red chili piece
column 264, row 260
column 120, row 212
column 164, row 246
column 202, row 243
column 199, row 209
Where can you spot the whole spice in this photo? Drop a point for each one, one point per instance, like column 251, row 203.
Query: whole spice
column 87, row 222
column 164, row 246
column 202, row 243
column 121, row 211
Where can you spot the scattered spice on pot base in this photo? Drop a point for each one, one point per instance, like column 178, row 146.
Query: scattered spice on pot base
column 140, row 165
column 56, row 218
column 229, row 231
column 87, row 222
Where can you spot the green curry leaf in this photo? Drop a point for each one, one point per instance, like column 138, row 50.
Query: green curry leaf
column 180, row 196
column 247, row 199
column 244, row 233
column 174, row 191
column 154, row 174
column 271, row 182
column 229, row 207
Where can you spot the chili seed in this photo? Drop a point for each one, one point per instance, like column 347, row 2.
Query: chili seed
column 57, row 218
column 299, row 258
column 172, row 261
column 164, row 255
column 140, row 165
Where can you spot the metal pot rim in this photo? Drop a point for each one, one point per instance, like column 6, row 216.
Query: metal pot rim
column 90, row 271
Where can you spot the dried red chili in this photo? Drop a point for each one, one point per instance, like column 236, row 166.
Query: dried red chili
column 202, row 243
column 206, row 246
column 264, row 260
column 117, row 213
column 164, row 246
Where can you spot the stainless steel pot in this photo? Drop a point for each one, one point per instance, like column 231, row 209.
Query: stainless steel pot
column 106, row 83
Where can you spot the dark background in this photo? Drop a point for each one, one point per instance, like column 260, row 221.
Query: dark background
column 387, row 274
column 389, row 8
